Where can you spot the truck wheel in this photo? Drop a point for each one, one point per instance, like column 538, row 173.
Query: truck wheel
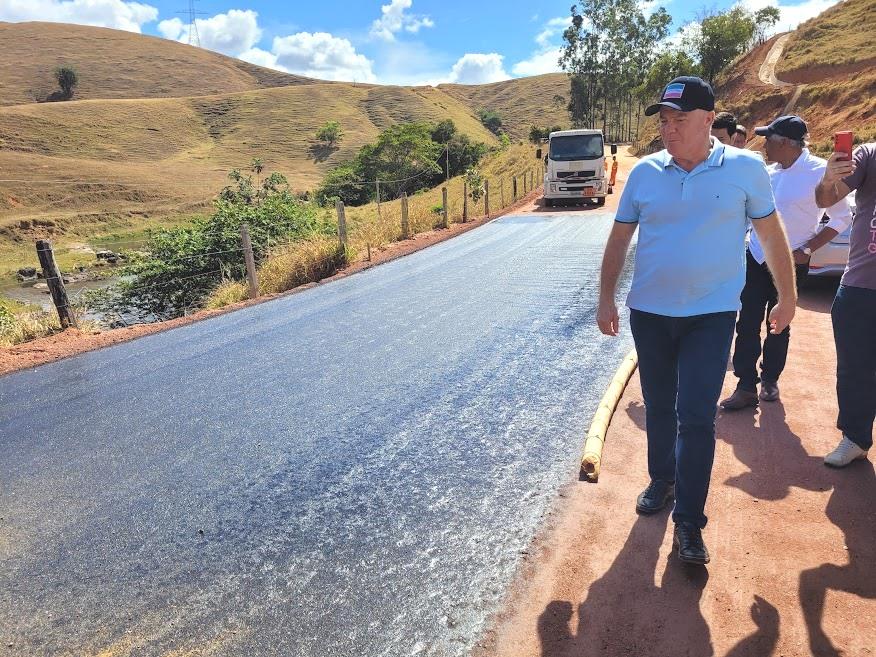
column 600, row 201
column 549, row 202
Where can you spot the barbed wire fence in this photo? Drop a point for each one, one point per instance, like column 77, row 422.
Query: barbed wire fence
column 359, row 233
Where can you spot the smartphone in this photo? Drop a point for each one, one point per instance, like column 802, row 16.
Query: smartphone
column 843, row 143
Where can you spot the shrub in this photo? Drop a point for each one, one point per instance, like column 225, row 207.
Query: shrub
column 67, row 79
column 330, row 133
column 185, row 264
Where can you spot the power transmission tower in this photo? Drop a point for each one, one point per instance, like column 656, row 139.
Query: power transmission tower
column 192, row 14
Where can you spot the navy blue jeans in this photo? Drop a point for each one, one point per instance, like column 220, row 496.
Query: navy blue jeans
column 759, row 297
column 682, row 362
column 854, row 331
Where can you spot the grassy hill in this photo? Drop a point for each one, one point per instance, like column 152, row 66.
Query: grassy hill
column 117, row 64
column 837, row 42
column 155, row 126
column 168, row 156
column 520, row 102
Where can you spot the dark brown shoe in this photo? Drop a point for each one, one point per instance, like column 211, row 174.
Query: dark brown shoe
column 769, row 391
column 739, row 399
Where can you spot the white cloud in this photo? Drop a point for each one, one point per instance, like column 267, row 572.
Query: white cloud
column 478, row 68
column 118, row 14
column 262, row 58
column 791, row 15
column 393, row 19
column 546, row 61
column 320, row 55
column 231, row 33
column 547, row 55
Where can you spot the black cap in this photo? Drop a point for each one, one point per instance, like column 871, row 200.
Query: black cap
column 792, row 127
column 686, row 93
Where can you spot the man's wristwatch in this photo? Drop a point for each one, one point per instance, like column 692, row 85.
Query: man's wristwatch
column 806, row 251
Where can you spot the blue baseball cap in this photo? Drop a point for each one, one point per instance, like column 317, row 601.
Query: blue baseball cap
column 791, row 126
column 685, row 93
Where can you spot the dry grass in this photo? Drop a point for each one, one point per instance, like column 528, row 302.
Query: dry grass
column 164, row 157
column 156, row 126
column 117, row 64
column 520, row 102
column 20, row 322
column 291, row 265
column 840, row 37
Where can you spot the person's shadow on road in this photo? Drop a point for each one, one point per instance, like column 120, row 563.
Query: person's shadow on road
column 851, row 508
column 626, row 613
column 777, row 461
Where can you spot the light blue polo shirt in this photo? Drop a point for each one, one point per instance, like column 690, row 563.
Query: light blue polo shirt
column 690, row 258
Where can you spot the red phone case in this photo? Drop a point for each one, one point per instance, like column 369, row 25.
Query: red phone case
column 843, row 143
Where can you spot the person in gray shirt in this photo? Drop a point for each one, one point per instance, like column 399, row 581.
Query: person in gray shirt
column 854, row 308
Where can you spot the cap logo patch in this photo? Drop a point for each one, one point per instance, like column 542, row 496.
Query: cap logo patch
column 673, row 91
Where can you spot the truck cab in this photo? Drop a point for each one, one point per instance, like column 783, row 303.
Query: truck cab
column 575, row 167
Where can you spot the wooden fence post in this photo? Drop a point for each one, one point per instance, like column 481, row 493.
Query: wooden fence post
column 531, row 180
column 405, row 225
column 513, row 188
column 56, row 284
column 487, row 197
column 252, row 276
column 444, row 222
column 342, row 225
column 464, row 201
column 379, row 216
column 502, row 193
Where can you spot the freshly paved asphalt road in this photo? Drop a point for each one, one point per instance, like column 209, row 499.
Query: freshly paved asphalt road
column 353, row 470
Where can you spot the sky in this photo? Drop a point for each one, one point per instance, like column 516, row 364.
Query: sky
column 384, row 41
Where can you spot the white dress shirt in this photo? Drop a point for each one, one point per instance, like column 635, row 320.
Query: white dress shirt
column 794, row 190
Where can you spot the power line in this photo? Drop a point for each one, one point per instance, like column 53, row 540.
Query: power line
column 194, row 37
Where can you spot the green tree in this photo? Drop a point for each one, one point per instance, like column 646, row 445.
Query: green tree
column 668, row 65
column 67, row 79
column 720, row 39
column 184, row 264
column 608, row 49
column 764, row 19
column 444, row 131
column 491, row 120
column 330, row 133
column 257, row 167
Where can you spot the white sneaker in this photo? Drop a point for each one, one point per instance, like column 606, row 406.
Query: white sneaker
column 845, row 453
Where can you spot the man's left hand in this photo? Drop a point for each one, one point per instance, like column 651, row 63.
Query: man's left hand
column 801, row 258
column 781, row 316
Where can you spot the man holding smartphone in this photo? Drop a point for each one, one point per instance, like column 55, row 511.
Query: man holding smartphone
column 692, row 204
column 794, row 173
column 854, row 308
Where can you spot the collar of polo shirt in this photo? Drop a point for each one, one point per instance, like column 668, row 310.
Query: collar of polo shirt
column 714, row 159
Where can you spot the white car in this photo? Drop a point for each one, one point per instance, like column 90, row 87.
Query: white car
column 832, row 258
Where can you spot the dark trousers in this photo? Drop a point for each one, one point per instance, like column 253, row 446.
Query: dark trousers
column 759, row 296
column 682, row 362
column 854, row 331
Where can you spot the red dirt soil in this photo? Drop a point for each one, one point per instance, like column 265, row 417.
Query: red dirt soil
column 792, row 542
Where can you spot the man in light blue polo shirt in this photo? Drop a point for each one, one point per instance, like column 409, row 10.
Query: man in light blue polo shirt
column 692, row 204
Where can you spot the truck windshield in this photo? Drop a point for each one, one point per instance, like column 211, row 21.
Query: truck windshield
column 576, row 147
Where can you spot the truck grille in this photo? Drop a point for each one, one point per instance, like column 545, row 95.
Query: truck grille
column 576, row 174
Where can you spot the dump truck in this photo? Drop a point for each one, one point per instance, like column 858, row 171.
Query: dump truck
column 575, row 167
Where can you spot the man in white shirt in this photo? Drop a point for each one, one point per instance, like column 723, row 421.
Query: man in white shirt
column 794, row 174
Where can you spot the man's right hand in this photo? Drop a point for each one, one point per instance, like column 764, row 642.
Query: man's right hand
column 607, row 318
column 838, row 169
